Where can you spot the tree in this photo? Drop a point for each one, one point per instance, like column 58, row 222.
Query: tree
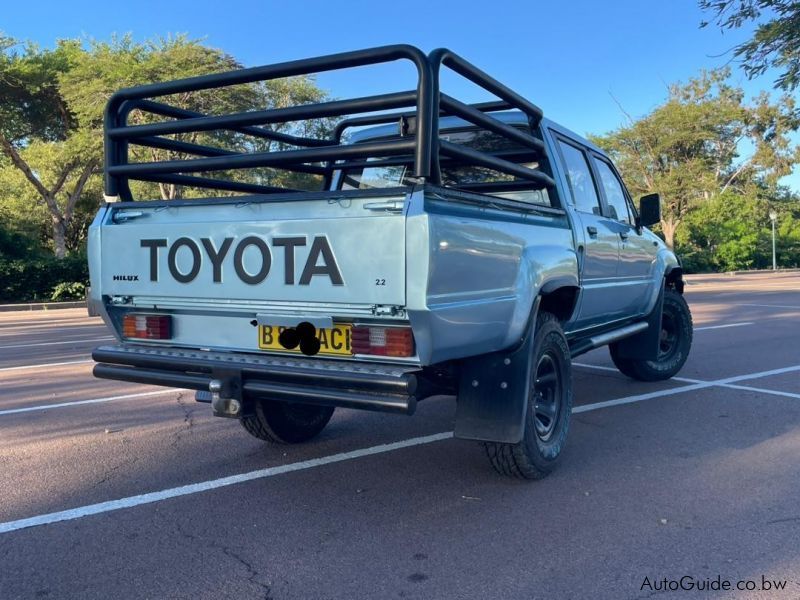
column 108, row 66
column 51, row 119
column 687, row 149
column 733, row 232
column 39, row 133
column 776, row 41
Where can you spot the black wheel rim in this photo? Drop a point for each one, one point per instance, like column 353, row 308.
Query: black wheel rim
column 668, row 340
column 546, row 396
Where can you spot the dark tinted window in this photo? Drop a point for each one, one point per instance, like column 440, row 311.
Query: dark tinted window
column 584, row 194
column 612, row 187
column 454, row 175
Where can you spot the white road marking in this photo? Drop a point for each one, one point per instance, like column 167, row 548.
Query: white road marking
column 8, row 331
column 597, row 367
column 707, row 327
column 641, row 397
column 615, row 370
column 10, row 322
column 763, row 305
column 697, row 381
column 769, row 373
column 38, row 407
column 100, row 339
column 45, row 365
column 194, row 488
column 750, row 286
column 760, row 390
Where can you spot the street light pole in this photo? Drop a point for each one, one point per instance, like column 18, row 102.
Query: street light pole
column 773, row 216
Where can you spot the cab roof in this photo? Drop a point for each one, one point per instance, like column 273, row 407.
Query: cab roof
column 509, row 117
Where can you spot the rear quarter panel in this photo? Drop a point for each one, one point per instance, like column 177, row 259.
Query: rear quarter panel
column 473, row 273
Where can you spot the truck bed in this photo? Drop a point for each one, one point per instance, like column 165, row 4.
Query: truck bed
column 462, row 273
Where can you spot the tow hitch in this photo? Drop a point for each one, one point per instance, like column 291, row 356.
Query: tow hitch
column 219, row 395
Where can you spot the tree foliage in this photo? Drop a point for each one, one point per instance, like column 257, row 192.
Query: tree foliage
column 688, row 149
column 51, row 118
column 776, row 41
column 39, row 134
column 733, row 232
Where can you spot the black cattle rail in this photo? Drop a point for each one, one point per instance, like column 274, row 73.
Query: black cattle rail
column 420, row 144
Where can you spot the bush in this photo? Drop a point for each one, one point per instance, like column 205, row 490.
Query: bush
column 732, row 232
column 73, row 290
column 39, row 279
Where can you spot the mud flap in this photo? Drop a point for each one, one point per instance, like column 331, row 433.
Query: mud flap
column 493, row 392
column 644, row 345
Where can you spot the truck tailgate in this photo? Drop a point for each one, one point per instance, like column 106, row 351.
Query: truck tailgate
column 328, row 251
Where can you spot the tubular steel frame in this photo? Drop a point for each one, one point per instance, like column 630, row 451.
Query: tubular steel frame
column 419, row 126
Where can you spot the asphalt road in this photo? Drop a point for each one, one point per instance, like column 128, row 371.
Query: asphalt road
column 111, row 490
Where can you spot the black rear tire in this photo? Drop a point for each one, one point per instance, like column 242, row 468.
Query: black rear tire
column 549, row 408
column 286, row 422
column 674, row 344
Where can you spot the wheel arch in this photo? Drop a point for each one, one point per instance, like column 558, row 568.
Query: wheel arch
column 559, row 296
column 673, row 278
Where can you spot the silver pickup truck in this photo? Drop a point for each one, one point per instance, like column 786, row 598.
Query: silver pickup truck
column 448, row 248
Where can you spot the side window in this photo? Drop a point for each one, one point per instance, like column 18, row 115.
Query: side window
column 584, row 193
column 612, row 187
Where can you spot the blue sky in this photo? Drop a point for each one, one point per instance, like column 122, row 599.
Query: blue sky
column 572, row 58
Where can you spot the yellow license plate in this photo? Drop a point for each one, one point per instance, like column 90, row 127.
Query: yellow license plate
column 334, row 341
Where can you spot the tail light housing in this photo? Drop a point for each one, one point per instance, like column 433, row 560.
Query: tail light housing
column 382, row 341
column 147, row 327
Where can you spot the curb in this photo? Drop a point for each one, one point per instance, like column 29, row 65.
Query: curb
column 42, row 306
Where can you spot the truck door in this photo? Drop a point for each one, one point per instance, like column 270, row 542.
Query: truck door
column 636, row 252
column 599, row 251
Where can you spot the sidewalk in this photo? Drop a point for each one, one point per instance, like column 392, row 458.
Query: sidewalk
column 42, row 306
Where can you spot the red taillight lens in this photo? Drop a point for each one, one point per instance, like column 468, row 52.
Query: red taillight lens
column 147, row 327
column 382, row 341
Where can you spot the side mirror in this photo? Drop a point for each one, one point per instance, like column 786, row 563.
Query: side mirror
column 649, row 210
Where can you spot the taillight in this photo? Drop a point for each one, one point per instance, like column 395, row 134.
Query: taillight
column 382, row 341
column 147, row 327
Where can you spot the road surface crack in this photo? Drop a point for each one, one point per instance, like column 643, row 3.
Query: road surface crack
column 252, row 572
column 785, row 520
column 188, row 418
column 109, row 473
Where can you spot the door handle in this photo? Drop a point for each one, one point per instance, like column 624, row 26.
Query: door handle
column 591, row 230
column 623, row 235
column 391, row 206
column 129, row 215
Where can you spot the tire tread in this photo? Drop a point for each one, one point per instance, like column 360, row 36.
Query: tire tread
column 641, row 370
column 512, row 460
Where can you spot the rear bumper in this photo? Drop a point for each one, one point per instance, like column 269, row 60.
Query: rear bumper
column 248, row 377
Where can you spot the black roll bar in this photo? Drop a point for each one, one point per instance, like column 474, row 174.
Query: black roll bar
column 298, row 153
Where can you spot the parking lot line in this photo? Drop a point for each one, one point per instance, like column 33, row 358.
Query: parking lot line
column 100, row 339
column 9, row 330
column 194, row 488
column 698, row 385
column 45, row 365
column 641, row 397
column 721, row 326
column 718, row 383
column 615, row 370
column 14, row 411
column 764, row 305
column 748, row 388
